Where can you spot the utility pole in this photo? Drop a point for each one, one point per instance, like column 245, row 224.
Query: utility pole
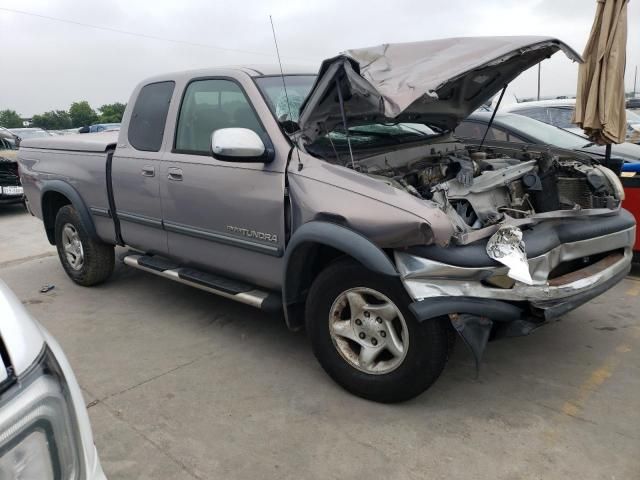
column 635, row 79
column 539, row 64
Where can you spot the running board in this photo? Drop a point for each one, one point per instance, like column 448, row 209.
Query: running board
column 232, row 289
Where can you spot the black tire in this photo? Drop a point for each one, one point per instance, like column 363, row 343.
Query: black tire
column 429, row 341
column 99, row 257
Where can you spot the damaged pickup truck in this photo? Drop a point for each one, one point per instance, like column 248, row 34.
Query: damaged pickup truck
column 344, row 201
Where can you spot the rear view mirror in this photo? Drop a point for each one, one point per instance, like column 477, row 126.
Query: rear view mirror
column 239, row 145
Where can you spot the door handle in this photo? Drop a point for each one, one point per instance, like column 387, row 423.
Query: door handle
column 148, row 171
column 175, row 174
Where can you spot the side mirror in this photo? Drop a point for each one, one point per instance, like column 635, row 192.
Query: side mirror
column 239, row 145
column 84, row 130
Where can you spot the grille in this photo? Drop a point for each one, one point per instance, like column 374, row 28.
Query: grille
column 9, row 174
column 575, row 190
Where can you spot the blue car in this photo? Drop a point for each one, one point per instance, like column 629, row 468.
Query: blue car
column 100, row 127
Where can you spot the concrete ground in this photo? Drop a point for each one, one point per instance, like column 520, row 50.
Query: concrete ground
column 181, row 384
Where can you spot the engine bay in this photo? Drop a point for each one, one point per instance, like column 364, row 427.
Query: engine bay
column 480, row 188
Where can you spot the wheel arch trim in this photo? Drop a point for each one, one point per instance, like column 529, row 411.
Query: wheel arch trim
column 316, row 234
column 65, row 189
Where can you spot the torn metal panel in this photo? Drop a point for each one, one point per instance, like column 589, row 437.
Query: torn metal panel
column 436, row 82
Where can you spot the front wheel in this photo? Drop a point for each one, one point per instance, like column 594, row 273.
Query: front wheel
column 367, row 340
column 87, row 260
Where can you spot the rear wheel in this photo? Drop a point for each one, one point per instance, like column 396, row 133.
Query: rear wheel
column 86, row 260
column 367, row 340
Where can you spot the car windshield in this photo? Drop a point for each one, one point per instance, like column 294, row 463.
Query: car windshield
column 298, row 87
column 369, row 136
column 543, row 132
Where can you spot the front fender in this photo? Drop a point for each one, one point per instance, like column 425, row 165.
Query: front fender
column 306, row 240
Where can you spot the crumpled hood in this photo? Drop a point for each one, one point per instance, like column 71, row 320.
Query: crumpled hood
column 437, row 82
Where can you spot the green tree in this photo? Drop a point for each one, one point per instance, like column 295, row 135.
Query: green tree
column 111, row 112
column 82, row 114
column 10, row 119
column 53, row 120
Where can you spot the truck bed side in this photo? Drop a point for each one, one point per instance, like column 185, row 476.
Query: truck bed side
column 71, row 169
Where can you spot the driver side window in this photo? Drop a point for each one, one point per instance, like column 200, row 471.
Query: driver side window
column 539, row 114
column 210, row 105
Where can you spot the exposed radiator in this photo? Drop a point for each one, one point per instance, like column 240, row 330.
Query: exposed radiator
column 575, row 190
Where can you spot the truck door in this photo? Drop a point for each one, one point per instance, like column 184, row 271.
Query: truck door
column 225, row 217
column 136, row 170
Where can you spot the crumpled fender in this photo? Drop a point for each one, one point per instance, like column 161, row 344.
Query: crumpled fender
column 308, row 237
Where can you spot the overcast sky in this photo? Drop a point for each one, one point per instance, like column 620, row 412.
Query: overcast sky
column 48, row 64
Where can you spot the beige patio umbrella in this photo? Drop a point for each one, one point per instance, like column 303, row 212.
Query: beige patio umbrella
column 600, row 99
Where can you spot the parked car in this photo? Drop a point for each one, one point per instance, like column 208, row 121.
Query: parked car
column 10, row 186
column 99, row 127
column 23, row 133
column 44, row 427
column 559, row 113
column 8, row 137
column 633, row 103
column 368, row 223
column 516, row 128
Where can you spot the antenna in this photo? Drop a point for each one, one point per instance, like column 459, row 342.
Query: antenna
column 284, row 85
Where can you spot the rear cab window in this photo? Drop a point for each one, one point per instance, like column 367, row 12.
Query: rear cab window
column 146, row 127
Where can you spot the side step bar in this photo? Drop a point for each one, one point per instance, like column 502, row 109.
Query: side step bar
column 232, row 289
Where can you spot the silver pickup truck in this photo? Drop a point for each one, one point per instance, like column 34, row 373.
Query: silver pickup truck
column 344, row 201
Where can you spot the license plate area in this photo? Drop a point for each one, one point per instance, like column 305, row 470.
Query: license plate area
column 11, row 191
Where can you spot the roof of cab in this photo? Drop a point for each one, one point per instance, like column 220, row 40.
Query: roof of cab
column 250, row 70
column 556, row 102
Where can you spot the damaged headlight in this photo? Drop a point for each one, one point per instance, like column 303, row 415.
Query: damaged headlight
column 616, row 184
column 38, row 431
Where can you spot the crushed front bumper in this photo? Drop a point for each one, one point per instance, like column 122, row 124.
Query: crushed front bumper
column 565, row 276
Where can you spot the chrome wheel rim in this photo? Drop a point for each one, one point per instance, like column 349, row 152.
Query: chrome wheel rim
column 72, row 246
column 368, row 330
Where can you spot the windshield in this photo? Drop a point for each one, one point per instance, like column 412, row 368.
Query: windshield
column 298, row 87
column 543, row 132
column 369, row 136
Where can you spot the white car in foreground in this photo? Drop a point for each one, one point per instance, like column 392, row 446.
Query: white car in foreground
column 44, row 426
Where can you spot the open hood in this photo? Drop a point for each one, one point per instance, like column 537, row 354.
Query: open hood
column 436, row 82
